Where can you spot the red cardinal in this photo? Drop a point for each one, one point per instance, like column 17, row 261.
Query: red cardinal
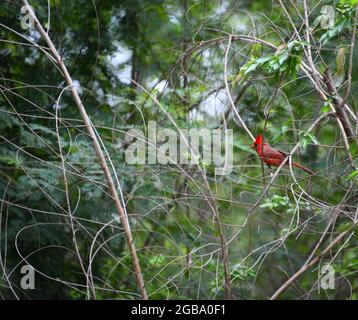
column 271, row 156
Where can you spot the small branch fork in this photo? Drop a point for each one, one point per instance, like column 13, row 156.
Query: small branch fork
column 100, row 155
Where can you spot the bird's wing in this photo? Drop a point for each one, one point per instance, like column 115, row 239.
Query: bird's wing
column 273, row 153
column 282, row 152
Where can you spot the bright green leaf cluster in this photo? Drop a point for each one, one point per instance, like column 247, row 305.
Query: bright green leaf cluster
column 307, row 138
column 285, row 61
column 276, row 201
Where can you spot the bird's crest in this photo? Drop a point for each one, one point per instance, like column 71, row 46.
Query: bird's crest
column 259, row 140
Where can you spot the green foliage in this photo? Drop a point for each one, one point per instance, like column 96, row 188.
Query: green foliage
column 327, row 106
column 285, row 61
column 275, row 202
column 350, row 2
column 353, row 175
column 241, row 272
column 307, row 138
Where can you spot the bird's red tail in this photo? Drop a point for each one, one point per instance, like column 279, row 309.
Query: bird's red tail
column 295, row 164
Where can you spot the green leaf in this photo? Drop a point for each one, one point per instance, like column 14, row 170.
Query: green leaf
column 350, row 2
column 275, row 201
column 283, row 57
column 307, row 138
column 10, row 160
column 353, row 175
column 264, row 59
column 252, row 67
column 285, row 129
column 326, row 107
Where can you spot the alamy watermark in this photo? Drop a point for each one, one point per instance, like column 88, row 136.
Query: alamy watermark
column 28, row 280
column 327, row 17
column 27, row 21
column 326, row 277
column 180, row 146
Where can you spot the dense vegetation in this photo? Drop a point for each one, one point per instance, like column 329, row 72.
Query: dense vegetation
column 283, row 69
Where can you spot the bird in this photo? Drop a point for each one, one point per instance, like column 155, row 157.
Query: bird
column 272, row 156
